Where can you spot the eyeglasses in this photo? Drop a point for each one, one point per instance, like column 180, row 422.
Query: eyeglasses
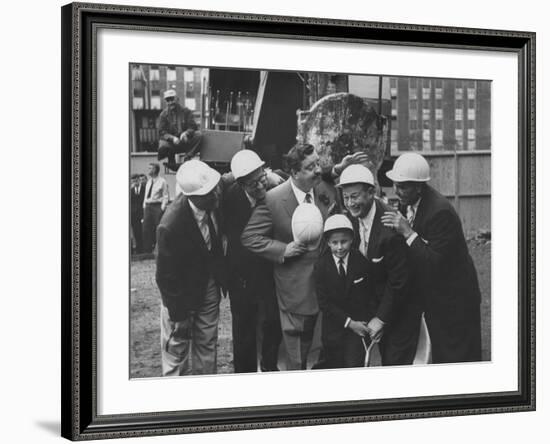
column 255, row 183
column 170, row 99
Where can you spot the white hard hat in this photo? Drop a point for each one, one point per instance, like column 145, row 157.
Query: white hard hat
column 244, row 162
column 195, row 178
column 338, row 222
column 307, row 225
column 410, row 167
column 356, row 174
column 169, row 93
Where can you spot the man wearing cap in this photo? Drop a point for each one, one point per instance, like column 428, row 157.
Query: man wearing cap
column 190, row 272
column 155, row 202
column 269, row 235
column 396, row 323
column 444, row 273
column 177, row 131
column 250, row 278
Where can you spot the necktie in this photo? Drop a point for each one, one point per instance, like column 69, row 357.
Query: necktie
column 341, row 269
column 213, row 243
column 410, row 215
column 308, row 198
column 363, row 246
column 150, row 190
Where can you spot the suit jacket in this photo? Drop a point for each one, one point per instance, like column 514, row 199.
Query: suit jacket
column 184, row 263
column 444, row 270
column 136, row 202
column 339, row 299
column 268, row 232
column 389, row 268
column 245, row 269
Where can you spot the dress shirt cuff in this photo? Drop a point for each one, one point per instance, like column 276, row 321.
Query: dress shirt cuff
column 411, row 238
column 346, row 324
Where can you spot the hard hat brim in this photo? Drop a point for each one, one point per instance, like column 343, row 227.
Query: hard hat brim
column 343, row 184
column 207, row 187
column 397, row 178
column 241, row 175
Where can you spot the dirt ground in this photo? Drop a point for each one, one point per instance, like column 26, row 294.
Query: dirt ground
column 145, row 314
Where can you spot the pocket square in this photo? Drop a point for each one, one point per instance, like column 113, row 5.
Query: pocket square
column 356, row 281
column 375, row 260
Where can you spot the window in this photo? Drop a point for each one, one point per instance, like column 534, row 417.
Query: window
column 439, row 135
column 458, row 93
column 471, row 114
column 471, row 133
column 393, row 92
column 425, row 135
column 458, row 114
column 191, row 104
column 426, row 114
column 438, row 93
column 137, row 103
column 171, row 74
column 154, row 73
column 459, row 139
column 438, row 114
column 426, row 93
column 412, row 93
column 471, row 93
column 394, row 106
column 471, row 144
column 189, row 75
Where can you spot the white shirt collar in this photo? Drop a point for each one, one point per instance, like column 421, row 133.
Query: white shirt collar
column 415, row 205
column 300, row 195
column 250, row 199
column 345, row 261
column 198, row 213
column 369, row 218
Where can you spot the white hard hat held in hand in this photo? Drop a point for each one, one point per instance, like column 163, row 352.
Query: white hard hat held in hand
column 245, row 162
column 307, row 225
column 196, row 178
column 410, row 167
column 356, row 174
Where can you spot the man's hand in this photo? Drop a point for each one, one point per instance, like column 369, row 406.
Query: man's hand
column 175, row 140
column 359, row 328
column 184, row 137
column 350, row 159
column 273, row 179
column 375, row 328
column 294, row 249
column 395, row 220
column 183, row 329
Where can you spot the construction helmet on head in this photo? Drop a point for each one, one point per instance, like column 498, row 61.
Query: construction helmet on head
column 337, row 222
column 356, row 174
column 245, row 162
column 410, row 167
column 195, row 178
column 169, row 93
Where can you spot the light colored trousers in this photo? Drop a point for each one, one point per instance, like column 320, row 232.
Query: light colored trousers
column 297, row 336
column 194, row 355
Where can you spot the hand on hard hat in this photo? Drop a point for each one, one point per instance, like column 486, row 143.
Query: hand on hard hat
column 294, row 249
column 410, row 167
column 360, row 157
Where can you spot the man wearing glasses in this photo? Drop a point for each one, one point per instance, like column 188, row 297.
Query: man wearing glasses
column 177, row 131
column 250, row 278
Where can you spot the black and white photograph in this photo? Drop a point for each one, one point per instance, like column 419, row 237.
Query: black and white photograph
column 306, row 221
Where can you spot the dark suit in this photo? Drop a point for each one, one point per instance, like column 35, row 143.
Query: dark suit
column 136, row 215
column 188, row 276
column 251, row 290
column 389, row 268
column 339, row 299
column 446, row 279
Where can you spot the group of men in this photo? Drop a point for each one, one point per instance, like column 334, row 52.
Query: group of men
column 149, row 197
column 233, row 234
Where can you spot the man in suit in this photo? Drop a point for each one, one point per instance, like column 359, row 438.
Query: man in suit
column 154, row 203
column 444, row 273
column 250, row 278
column 137, row 194
column 269, row 234
column 396, row 323
column 190, row 273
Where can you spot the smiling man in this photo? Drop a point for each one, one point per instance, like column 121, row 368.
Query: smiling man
column 396, row 323
column 444, row 273
column 269, row 235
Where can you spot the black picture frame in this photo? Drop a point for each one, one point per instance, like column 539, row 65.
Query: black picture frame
column 80, row 22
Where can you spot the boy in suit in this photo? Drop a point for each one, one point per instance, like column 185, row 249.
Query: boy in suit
column 344, row 295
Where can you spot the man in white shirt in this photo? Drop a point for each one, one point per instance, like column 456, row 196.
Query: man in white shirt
column 154, row 203
column 269, row 234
